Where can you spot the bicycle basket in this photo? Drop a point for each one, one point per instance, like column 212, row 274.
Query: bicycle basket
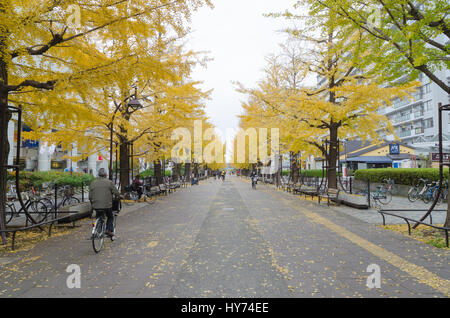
column 117, row 205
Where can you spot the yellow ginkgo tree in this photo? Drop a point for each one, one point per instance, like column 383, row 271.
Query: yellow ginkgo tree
column 53, row 54
column 344, row 103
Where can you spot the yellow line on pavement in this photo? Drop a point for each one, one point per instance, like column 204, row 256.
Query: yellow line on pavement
column 420, row 273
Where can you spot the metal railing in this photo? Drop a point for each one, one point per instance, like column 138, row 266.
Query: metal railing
column 39, row 225
column 409, row 221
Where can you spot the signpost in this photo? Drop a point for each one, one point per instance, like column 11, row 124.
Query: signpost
column 436, row 158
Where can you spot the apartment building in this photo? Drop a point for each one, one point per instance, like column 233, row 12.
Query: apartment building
column 416, row 120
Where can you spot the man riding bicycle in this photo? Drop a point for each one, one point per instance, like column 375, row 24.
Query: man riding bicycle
column 101, row 193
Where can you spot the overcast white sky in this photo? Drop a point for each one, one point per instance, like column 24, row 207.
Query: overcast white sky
column 238, row 37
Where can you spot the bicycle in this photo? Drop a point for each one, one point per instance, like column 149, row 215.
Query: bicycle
column 131, row 194
column 389, row 185
column 381, row 197
column 444, row 193
column 431, row 192
column 32, row 204
column 416, row 192
column 67, row 194
column 99, row 231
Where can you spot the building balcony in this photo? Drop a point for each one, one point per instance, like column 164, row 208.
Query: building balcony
column 403, row 134
column 419, row 130
column 402, row 119
column 419, row 114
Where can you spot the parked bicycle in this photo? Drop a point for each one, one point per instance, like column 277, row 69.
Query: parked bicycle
column 66, row 195
column 388, row 185
column 444, row 193
column 416, row 192
column 431, row 192
column 37, row 209
column 427, row 191
column 382, row 196
column 131, row 194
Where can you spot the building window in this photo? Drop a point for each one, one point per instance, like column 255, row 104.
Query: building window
column 428, row 123
column 428, row 105
column 426, row 88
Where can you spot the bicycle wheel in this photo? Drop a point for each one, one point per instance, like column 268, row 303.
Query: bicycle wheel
column 413, row 194
column 98, row 235
column 385, row 198
column 427, row 197
column 113, row 238
column 70, row 201
column 441, row 197
column 39, row 211
column 9, row 212
column 49, row 204
column 376, row 202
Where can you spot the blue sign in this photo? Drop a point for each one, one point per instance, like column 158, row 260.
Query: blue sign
column 394, row 149
column 30, row 144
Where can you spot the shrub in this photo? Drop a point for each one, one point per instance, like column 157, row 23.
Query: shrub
column 151, row 173
column 319, row 173
column 400, row 176
column 37, row 179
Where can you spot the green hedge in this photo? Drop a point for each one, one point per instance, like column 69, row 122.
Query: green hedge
column 37, row 179
column 400, row 176
column 151, row 173
column 319, row 173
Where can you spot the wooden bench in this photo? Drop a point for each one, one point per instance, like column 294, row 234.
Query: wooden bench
column 163, row 189
column 173, row 186
column 155, row 190
column 309, row 191
column 296, row 188
column 330, row 194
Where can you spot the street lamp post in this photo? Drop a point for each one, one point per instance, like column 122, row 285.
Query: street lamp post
column 135, row 105
column 111, row 127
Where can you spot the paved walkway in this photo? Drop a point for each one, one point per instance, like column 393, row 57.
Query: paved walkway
column 398, row 203
column 223, row 239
